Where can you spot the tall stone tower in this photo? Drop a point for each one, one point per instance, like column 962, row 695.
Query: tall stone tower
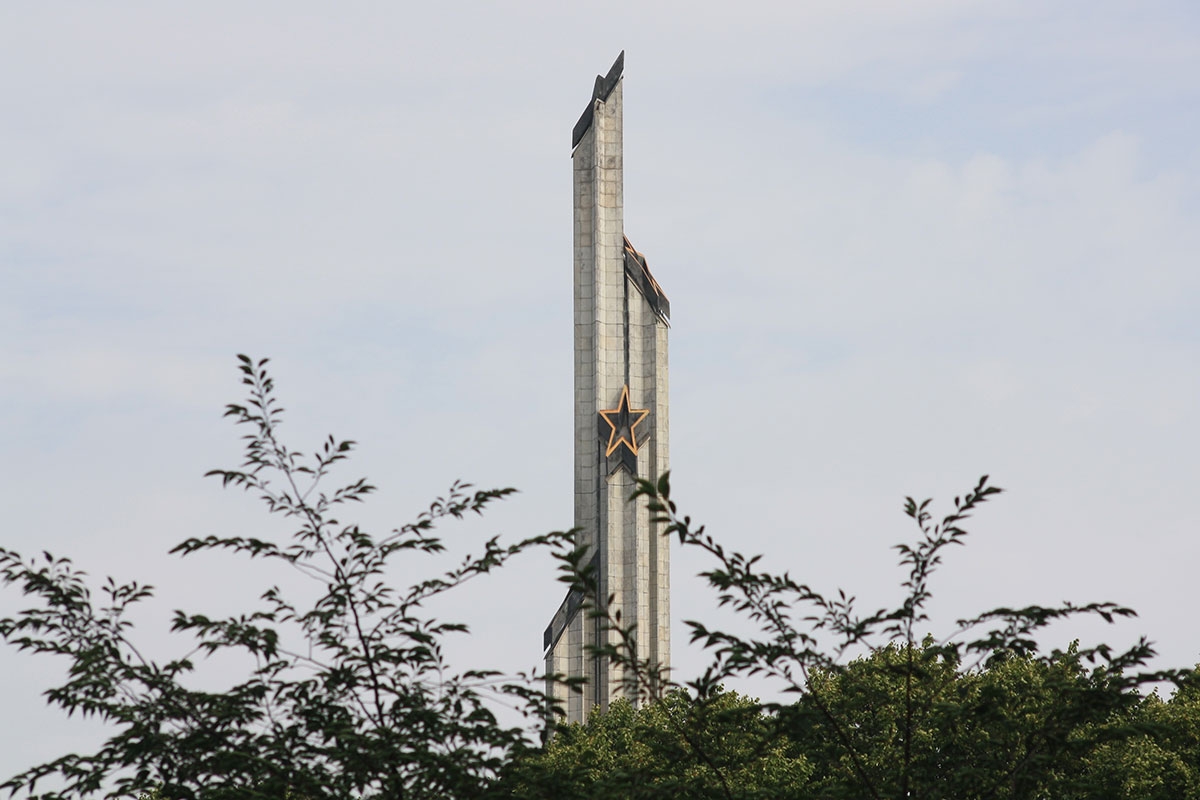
column 621, row 432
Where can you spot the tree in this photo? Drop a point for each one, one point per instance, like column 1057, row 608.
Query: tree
column 1013, row 727
column 1158, row 759
column 892, row 724
column 349, row 695
column 671, row 748
column 1016, row 727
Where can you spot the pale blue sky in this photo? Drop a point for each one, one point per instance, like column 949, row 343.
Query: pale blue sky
column 905, row 244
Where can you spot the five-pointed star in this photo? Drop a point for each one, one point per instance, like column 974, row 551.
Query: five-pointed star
column 622, row 422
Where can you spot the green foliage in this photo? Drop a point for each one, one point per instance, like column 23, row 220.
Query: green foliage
column 1158, row 759
column 722, row 747
column 1015, row 728
column 349, row 695
column 980, row 713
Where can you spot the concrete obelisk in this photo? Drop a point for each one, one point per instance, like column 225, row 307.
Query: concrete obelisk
column 621, row 430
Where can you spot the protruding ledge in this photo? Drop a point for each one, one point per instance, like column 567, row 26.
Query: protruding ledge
column 604, row 86
column 571, row 605
column 638, row 269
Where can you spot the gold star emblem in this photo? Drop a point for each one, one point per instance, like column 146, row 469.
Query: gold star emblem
column 622, row 424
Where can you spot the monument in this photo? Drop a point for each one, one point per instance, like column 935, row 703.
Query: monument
column 621, row 432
